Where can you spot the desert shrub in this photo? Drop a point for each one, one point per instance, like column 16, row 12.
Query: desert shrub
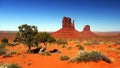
column 13, row 52
column 2, row 49
column 62, row 41
column 4, row 40
column 95, row 42
column 117, row 42
column 14, row 66
column 88, row 43
column 51, row 39
column 80, row 47
column 63, row 46
column 87, row 56
column 7, row 55
column 10, row 66
column 63, row 58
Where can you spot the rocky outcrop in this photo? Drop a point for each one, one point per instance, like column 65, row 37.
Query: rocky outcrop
column 68, row 30
column 66, row 23
column 87, row 32
column 86, row 28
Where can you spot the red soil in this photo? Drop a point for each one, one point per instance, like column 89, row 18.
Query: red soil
column 53, row 61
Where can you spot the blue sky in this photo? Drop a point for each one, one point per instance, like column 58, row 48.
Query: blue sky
column 101, row 15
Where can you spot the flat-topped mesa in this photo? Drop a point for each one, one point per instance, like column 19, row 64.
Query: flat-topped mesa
column 66, row 23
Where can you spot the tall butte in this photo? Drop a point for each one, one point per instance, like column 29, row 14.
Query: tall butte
column 68, row 30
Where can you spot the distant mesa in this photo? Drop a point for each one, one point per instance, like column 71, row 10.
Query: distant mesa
column 66, row 23
column 68, row 30
column 86, row 28
column 87, row 32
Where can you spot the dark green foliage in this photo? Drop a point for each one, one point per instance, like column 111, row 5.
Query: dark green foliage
column 63, row 58
column 14, row 66
column 51, row 39
column 27, row 35
column 95, row 42
column 80, row 47
column 92, row 43
column 4, row 40
column 61, row 41
column 2, row 50
column 44, row 37
column 86, row 56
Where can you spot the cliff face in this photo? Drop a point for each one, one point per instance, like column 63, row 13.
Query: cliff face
column 66, row 23
column 68, row 30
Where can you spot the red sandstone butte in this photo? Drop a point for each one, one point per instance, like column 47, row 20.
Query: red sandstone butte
column 68, row 30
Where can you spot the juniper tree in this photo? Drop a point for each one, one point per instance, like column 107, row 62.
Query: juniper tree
column 27, row 35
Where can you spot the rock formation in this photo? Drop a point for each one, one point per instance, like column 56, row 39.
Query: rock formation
column 66, row 23
column 86, row 28
column 68, row 30
column 87, row 32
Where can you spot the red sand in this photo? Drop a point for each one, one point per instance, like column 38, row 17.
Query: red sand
column 53, row 61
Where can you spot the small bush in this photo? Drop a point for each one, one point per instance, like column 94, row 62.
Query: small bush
column 4, row 40
column 86, row 56
column 10, row 44
column 2, row 50
column 63, row 58
column 13, row 52
column 88, row 43
column 62, row 41
column 14, row 66
column 10, row 66
column 80, row 47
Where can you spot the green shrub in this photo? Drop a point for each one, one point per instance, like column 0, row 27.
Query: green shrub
column 4, row 40
column 62, row 41
column 63, row 58
column 9, row 66
column 2, row 50
column 87, row 56
column 88, row 43
column 10, row 44
column 14, row 66
column 95, row 42
column 13, row 52
column 80, row 47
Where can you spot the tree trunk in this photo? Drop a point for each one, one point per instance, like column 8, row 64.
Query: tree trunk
column 29, row 49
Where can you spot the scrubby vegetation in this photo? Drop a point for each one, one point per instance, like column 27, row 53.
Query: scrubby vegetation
column 80, row 47
column 26, row 35
column 61, row 41
column 13, row 65
column 2, row 49
column 87, row 56
column 63, row 58
column 4, row 41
